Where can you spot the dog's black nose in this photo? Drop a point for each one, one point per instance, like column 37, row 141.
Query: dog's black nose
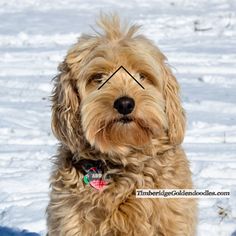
column 124, row 105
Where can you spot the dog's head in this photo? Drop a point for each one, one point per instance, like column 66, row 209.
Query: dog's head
column 115, row 108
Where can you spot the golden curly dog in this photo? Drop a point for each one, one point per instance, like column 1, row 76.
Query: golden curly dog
column 118, row 116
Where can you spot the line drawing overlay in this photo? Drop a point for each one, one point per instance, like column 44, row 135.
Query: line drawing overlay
column 116, row 72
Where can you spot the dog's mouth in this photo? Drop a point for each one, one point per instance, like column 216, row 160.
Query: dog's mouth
column 125, row 119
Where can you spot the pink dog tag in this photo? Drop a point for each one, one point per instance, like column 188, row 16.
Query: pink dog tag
column 98, row 183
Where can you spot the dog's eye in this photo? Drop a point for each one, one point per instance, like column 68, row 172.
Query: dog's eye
column 96, row 78
column 142, row 76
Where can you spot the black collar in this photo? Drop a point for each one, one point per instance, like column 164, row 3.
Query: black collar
column 84, row 165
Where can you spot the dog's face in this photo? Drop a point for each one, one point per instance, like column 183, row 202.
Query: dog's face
column 138, row 104
column 121, row 113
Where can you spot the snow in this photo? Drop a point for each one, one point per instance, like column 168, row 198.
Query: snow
column 198, row 37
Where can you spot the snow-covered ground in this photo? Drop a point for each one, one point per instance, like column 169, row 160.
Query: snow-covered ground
column 198, row 37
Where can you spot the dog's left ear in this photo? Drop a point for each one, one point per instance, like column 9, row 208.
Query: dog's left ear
column 173, row 108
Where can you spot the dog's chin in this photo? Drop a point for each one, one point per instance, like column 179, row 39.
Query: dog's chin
column 123, row 134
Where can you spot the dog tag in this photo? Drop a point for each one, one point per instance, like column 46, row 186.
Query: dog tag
column 86, row 181
column 98, row 183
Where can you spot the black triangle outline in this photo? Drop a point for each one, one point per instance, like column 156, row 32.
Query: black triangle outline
column 116, row 72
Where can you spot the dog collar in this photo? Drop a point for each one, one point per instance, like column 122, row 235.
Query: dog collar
column 94, row 172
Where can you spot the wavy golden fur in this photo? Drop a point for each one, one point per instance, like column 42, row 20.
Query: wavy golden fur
column 148, row 148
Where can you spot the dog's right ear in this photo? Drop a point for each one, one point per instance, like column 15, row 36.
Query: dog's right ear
column 65, row 108
column 66, row 119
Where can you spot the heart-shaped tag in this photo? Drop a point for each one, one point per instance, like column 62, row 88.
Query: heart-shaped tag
column 98, row 183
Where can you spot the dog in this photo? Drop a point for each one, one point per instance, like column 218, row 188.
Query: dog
column 117, row 113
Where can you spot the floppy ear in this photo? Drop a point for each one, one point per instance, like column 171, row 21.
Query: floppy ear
column 173, row 108
column 65, row 109
column 66, row 119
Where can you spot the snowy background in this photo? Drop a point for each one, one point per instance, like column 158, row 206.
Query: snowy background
column 198, row 37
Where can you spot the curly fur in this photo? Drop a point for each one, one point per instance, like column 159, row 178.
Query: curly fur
column 148, row 148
